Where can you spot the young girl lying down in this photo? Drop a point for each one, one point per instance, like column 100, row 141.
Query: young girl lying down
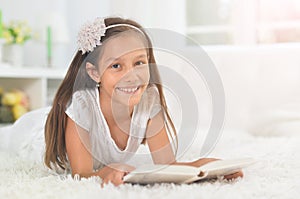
column 110, row 102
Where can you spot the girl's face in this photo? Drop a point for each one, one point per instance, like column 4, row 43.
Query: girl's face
column 124, row 70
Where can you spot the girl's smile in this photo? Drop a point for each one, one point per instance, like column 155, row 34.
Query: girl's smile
column 129, row 90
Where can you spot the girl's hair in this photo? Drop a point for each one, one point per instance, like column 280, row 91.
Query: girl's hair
column 55, row 154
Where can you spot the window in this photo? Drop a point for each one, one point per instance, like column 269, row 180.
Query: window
column 239, row 22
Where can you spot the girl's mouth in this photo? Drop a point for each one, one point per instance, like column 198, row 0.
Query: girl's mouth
column 129, row 90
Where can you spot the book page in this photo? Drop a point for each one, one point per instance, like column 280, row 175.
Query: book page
column 149, row 174
column 225, row 167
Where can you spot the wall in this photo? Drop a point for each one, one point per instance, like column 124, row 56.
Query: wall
column 153, row 14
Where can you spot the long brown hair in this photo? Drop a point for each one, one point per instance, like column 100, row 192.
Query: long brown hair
column 55, row 154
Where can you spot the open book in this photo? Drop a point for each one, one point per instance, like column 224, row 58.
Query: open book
column 149, row 174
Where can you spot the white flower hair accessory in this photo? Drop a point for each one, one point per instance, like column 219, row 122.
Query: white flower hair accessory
column 90, row 35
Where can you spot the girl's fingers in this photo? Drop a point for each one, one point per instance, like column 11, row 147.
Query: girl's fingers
column 234, row 175
column 116, row 179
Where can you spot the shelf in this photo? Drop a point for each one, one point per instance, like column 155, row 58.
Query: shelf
column 51, row 73
column 40, row 84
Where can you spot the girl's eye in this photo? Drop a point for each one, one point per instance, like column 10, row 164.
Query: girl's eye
column 116, row 66
column 139, row 63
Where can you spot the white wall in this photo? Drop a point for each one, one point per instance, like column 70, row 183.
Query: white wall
column 166, row 14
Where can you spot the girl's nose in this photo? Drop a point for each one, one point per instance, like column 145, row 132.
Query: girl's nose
column 131, row 75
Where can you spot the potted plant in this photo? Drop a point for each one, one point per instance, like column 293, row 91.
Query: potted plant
column 15, row 34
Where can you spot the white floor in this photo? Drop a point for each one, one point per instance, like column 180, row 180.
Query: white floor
column 276, row 175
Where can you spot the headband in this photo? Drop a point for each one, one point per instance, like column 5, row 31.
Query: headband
column 89, row 36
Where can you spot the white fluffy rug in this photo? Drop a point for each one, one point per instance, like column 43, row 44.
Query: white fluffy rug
column 276, row 175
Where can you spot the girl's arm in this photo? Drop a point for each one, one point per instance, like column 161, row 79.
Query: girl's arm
column 81, row 160
column 161, row 150
column 158, row 141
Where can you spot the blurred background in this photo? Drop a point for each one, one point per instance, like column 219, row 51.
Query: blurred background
column 254, row 44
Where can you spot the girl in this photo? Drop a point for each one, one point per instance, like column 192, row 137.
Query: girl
column 109, row 103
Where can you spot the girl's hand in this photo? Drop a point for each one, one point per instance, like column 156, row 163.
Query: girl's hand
column 203, row 161
column 114, row 173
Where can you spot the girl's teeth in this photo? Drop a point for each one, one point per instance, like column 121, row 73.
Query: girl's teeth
column 128, row 90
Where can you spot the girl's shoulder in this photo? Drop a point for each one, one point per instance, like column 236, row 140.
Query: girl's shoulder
column 81, row 107
column 85, row 96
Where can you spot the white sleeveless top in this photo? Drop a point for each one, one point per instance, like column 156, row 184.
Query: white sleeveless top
column 85, row 111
